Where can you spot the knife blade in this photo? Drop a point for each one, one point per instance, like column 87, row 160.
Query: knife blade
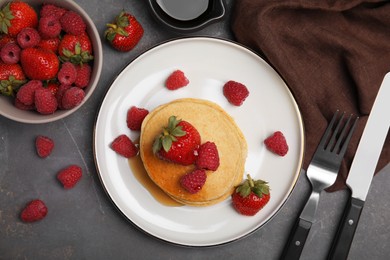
column 362, row 170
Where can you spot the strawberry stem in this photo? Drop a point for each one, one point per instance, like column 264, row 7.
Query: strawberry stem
column 250, row 180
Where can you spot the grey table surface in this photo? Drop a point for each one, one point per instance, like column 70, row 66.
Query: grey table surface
column 84, row 224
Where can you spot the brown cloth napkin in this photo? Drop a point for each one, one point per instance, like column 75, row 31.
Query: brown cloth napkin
column 332, row 55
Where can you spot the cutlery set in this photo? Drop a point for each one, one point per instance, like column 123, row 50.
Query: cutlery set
column 325, row 165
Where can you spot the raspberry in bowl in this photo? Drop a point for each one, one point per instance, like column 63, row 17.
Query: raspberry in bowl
column 61, row 34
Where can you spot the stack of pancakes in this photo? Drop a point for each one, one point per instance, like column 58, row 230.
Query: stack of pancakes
column 214, row 125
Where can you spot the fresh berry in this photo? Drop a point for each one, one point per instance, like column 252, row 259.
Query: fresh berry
column 49, row 27
column 235, row 92
column 193, row 181
column 70, row 176
column 176, row 80
column 277, row 143
column 11, row 78
column 26, row 93
column 76, row 49
column 124, row 33
column 52, row 10
column 208, row 157
column 251, row 196
column 35, row 210
column 67, row 74
column 45, row 102
column 60, row 93
column 10, row 53
column 83, row 75
column 15, row 16
column 21, row 106
column 28, row 37
column 40, row 64
column 135, row 116
column 5, row 38
column 73, row 23
column 72, row 98
column 50, row 44
column 53, row 87
column 124, row 146
column 178, row 142
column 44, row 146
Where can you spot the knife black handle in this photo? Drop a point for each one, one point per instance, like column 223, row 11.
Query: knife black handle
column 296, row 240
column 346, row 230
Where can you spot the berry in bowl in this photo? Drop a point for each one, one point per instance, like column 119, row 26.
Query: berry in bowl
column 50, row 59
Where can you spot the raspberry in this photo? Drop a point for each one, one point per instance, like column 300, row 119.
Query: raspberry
column 235, row 92
column 277, row 143
column 4, row 39
column 70, row 176
column 176, row 80
column 73, row 23
column 83, row 75
column 35, row 210
column 19, row 105
column 193, row 181
column 44, row 146
column 52, row 10
column 45, row 102
column 28, row 37
column 124, row 146
column 10, row 53
column 50, row 44
column 208, row 157
column 60, row 93
column 49, row 27
column 67, row 74
column 135, row 116
column 26, row 93
column 72, row 98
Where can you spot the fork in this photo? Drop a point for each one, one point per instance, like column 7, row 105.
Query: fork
column 322, row 173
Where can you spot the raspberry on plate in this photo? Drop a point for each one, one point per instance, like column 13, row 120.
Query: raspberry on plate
column 208, row 157
column 135, row 117
column 194, row 181
column 235, row 92
column 35, row 210
column 176, row 80
column 44, row 146
column 124, row 146
column 70, row 176
column 277, row 143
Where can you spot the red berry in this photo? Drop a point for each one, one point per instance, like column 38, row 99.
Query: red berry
column 28, row 37
column 53, row 87
column 83, row 75
column 49, row 27
column 176, row 80
column 52, row 10
column 208, row 157
column 40, row 64
column 277, row 143
column 60, row 93
column 72, row 97
column 135, row 117
column 17, row 15
column 35, row 210
column 45, row 102
column 26, row 93
column 44, row 146
column 235, row 92
column 10, row 53
column 50, row 44
column 21, row 106
column 73, row 23
column 67, row 73
column 193, row 181
column 124, row 146
column 70, row 176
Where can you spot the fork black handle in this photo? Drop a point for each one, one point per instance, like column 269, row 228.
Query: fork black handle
column 346, row 230
column 296, row 240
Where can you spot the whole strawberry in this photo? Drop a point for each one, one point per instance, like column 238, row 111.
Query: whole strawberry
column 44, row 146
column 235, row 92
column 178, row 142
column 70, row 176
column 208, row 157
column 277, row 143
column 125, row 33
column 193, row 182
column 35, row 210
column 124, row 146
column 76, row 48
column 40, row 64
column 11, row 78
column 251, row 196
column 135, row 116
column 15, row 16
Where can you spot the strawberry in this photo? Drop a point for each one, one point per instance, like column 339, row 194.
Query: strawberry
column 11, row 78
column 45, row 102
column 70, row 176
column 53, row 87
column 26, row 93
column 208, row 157
column 277, row 143
column 40, row 64
column 235, row 92
column 73, row 23
column 178, row 142
column 251, row 196
column 15, row 16
column 5, row 38
column 124, row 33
column 176, row 80
column 44, row 146
column 193, row 181
column 75, row 48
column 35, row 210
column 50, row 44
column 135, row 117
column 124, row 146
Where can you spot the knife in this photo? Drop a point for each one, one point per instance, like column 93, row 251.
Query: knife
column 362, row 170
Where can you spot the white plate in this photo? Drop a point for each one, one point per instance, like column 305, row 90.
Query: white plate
column 208, row 63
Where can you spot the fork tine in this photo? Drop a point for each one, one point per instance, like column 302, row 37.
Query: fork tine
column 340, row 138
column 328, row 130
column 346, row 142
column 335, row 132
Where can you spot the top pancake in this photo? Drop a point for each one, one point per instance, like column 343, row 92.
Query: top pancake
column 214, row 125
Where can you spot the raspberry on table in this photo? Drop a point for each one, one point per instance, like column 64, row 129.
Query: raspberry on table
column 10, row 53
column 28, row 37
column 70, row 176
column 35, row 210
column 235, row 92
column 44, row 146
